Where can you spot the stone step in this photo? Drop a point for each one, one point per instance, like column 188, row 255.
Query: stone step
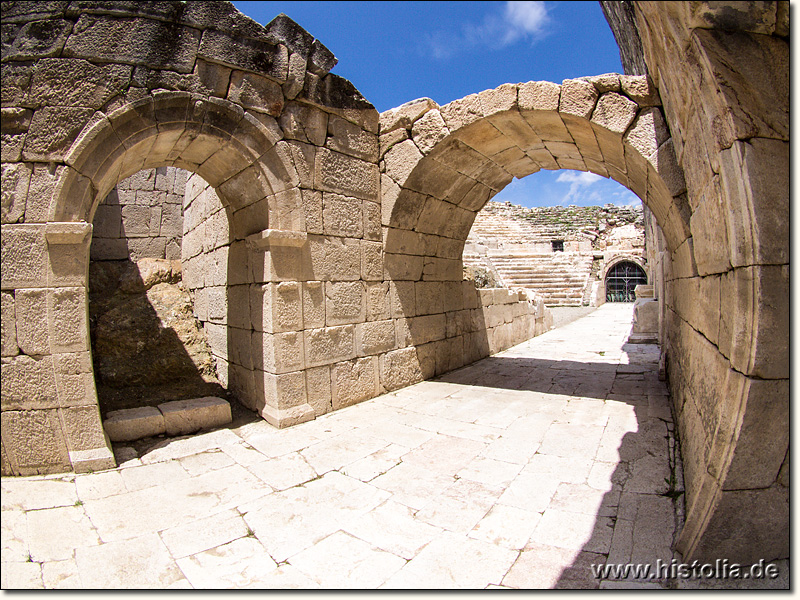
column 179, row 417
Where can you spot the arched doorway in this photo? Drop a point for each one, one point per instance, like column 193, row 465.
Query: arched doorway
column 621, row 281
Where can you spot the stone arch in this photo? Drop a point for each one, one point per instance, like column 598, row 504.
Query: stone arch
column 640, row 271
column 442, row 164
column 459, row 155
column 637, row 260
column 112, row 88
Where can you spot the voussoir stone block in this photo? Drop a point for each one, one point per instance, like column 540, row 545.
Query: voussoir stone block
column 614, row 112
column 578, row 97
column 187, row 416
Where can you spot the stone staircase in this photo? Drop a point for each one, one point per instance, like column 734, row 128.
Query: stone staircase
column 561, row 277
column 514, row 244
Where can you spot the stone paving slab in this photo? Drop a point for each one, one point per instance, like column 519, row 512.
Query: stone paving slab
column 519, row 471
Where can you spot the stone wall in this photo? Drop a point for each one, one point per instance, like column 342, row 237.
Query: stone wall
column 141, row 218
column 722, row 70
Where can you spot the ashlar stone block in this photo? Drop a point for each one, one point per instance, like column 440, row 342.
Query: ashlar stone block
column 539, row 95
column 343, row 174
column 374, row 337
column 313, row 304
column 8, row 325
column 345, row 303
column 281, row 307
column 429, row 131
column 31, row 312
column 578, row 97
column 400, row 368
column 15, row 178
column 348, row 138
column 318, row 386
column 334, row 258
column 187, row 416
column 371, row 261
column 256, row 93
column 281, row 352
column 378, row 301
column 614, row 112
column 34, row 441
column 354, row 381
column 134, row 424
column 23, row 256
column 283, row 391
column 28, row 383
column 342, row 216
column 329, row 344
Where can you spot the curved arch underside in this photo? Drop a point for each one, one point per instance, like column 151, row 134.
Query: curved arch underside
column 233, row 149
column 443, row 164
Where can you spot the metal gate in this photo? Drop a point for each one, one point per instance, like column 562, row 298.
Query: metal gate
column 622, row 279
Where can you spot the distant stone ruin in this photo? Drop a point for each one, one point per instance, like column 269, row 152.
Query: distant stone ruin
column 562, row 253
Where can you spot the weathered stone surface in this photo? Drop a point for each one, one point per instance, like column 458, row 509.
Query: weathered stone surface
column 304, row 123
column 374, row 337
column 187, row 416
column 403, row 117
column 329, row 344
column 578, row 98
column 342, row 216
column 133, row 423
column 344, row 303
column 640, row 89
column 158, row 324
column 8, row 323
column 335, row 172
column 354, row 381
column 85, row 84
column 15, row 181
column 614, row 112
column 256, row 93
column 52, row 131
column 348, row 138
column 24, row 256
column 401, row 160
column 429, row 130
column 134, row 41
column 38, row 39
column 34, row 441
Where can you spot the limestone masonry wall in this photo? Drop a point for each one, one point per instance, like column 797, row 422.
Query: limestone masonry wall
column 722, row 71
column 141, row 218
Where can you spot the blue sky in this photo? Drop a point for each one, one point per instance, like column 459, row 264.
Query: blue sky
column 394, row 52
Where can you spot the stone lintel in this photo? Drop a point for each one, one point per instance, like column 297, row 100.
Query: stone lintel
column 276, row 237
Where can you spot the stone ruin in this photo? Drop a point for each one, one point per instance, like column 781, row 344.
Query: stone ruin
column 565, row 254
column 341, row 270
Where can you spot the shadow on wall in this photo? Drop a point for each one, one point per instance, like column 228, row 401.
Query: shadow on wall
column 147, row 346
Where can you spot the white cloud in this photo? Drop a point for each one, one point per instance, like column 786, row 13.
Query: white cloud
column 524, row 18
column 578, row 177
column 518, row 20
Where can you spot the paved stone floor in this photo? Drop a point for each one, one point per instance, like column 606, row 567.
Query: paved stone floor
column 519, row 471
